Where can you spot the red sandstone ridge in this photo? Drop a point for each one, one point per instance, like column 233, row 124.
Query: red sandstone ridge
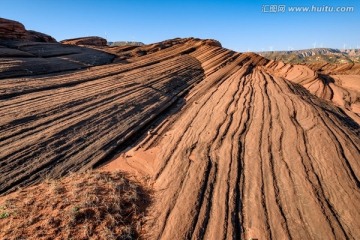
column 92, row 41
column 232, row 145
column 25, row 53
column 10, row 29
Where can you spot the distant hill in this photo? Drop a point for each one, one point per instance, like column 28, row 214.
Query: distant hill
column 125, row 43
column 326, row 55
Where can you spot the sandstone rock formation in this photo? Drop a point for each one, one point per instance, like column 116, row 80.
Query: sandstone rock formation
column 92, row 41
column 26, row 53
column 11, row 29
column 14, row 30
column 233, row 145
column 25, row 58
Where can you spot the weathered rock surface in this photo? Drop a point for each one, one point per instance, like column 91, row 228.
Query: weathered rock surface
column 25, row 58
column 233, row 145
column 29, row 53
column 92, row 41
column 10, row 29
column 339, row 84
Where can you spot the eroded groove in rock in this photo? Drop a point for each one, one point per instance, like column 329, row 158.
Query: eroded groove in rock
column 287, row 147
column 73, row 126
column 342, row 87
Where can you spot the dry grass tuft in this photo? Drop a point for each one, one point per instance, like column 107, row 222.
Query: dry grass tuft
column 91, row 205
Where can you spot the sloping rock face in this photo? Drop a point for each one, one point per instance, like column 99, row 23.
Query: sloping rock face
column 29, row 53
column 14, row 30
column 234, row 146
column 39, row 37
column 25, row 58
column 92, row 41
column 339, row 84
column 11, row 29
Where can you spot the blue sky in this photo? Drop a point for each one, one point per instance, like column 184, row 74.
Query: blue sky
column 238, row 25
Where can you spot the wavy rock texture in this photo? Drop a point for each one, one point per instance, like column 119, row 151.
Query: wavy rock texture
column 26, row 58
column 236, row 146
column 342, row 87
